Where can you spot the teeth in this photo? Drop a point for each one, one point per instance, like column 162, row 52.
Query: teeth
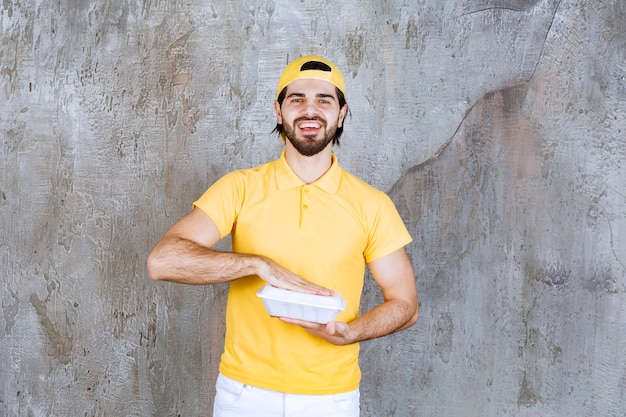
column 309, row 125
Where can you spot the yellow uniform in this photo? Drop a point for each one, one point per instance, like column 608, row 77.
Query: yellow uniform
column 325, row 232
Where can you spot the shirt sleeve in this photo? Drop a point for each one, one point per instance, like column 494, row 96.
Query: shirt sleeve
column 387, row 230
column 223, row 200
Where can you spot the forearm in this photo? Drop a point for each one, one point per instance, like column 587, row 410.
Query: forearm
column 181, row 260
column 386, row 318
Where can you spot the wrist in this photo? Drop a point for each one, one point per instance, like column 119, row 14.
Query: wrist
column 259, row 265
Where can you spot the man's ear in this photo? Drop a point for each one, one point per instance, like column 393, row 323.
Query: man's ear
column 279, row 115
column 342, row 115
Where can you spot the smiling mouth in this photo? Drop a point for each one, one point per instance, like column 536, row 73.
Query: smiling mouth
column 309, row 125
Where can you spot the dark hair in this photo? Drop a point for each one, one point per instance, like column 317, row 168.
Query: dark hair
column 342, row 102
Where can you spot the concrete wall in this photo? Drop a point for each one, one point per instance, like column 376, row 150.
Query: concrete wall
column 497, row 126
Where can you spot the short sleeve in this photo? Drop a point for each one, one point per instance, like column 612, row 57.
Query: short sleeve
column 223, row 200
column 387, row 230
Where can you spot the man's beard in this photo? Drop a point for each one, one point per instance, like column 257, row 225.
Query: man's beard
column 308, row 145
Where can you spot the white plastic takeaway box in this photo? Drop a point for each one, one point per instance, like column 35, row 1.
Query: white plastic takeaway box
column 297, row 305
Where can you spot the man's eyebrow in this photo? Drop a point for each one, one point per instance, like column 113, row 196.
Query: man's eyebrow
column 322, row 95
column 318, row 95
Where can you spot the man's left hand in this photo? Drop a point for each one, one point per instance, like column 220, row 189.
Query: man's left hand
column 335, row 332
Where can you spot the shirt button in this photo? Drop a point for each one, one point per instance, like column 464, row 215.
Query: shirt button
column 306, row 206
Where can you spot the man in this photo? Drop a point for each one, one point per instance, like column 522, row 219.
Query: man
column 299, row 223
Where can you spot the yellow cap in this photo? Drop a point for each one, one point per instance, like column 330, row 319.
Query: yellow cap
column 311, row 66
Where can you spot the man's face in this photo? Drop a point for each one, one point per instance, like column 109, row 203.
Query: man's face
column 310, row 115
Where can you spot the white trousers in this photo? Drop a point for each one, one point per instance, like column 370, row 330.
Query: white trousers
column 234, row 399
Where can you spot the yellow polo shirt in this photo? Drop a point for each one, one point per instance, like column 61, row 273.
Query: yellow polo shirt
column 325, row 232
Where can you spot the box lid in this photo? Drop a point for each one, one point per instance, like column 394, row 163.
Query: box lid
column 320, row 301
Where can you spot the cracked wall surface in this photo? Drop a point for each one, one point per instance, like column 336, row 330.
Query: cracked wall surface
column 497, row 127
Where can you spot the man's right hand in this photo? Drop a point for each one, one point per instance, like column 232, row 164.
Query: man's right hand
column 277, row 276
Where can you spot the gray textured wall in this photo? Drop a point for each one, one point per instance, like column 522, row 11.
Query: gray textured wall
column 497, row 126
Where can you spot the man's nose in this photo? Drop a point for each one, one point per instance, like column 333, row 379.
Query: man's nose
column 310, row 109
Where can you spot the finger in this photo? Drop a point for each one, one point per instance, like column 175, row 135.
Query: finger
column 331, row 328
column 301, row 285
column 310, row 325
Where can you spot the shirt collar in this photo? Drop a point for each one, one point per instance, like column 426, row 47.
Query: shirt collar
column 286, row 178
